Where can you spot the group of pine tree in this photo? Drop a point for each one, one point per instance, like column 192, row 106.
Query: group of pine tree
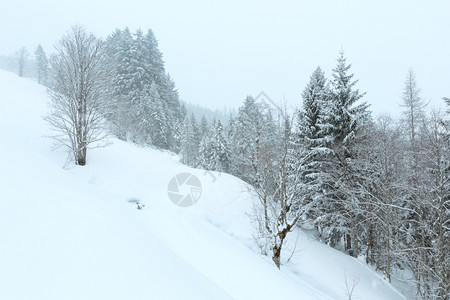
column 372, row 188
column 376, row 188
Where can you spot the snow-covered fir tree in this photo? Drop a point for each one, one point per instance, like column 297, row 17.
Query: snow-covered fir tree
column 204, row 153
column 310, row 134
column 189, row 142
column 159, row 130
column 311, row 117
column 204, row 127
column 219, row 155
column 245, row 139
column 344, row 120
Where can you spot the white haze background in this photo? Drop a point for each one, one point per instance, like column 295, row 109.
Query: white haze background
column 220, row 51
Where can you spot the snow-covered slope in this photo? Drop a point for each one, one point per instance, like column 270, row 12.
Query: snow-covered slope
column 72, row 234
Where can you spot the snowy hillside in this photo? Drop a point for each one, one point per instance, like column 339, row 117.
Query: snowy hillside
column 74, row 234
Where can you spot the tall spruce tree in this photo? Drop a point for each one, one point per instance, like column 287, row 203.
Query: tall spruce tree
column 246, row 139
column 220, row 151
column 158, row 119
column 204, row 127
column 119, row 45
column 189, row 142
column 310, row 118
column 204, row 153
column 344, row 120
column 309, row 137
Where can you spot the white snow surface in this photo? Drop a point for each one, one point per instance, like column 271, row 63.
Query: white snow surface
column 70, row 233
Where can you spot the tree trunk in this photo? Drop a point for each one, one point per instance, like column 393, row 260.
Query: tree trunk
column 81, row 155
column 276, row 255
column 348, row 243
column 81, row 161
column 370, row 244
column 355, row 246
column 388, row 252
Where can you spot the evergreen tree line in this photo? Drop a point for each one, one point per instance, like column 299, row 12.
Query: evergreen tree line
column 380, row 187
column 372, row 188
column 144, row 103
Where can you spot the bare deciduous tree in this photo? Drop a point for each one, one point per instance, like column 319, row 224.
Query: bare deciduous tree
column 438, row 201
column 418, row 235
column 76, row 108
column 281, row 195
column 350, row 285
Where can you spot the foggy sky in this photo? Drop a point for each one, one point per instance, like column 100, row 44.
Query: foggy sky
column 220, row 51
